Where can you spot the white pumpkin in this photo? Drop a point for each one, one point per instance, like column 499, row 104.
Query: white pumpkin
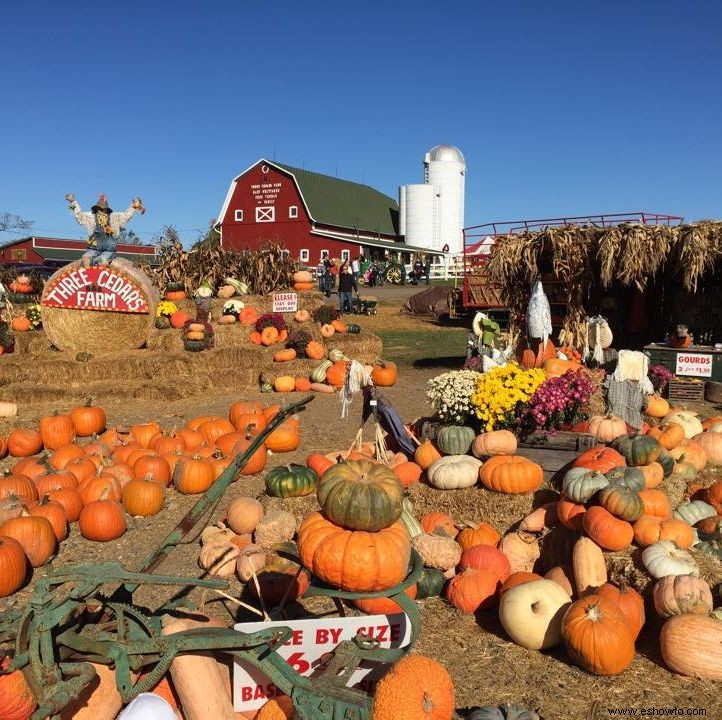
column 8, row 409
column 454, row 472
column 219, row 560
column 693, row 511
column 690, row 422
column 665, row 558
column 531, row 613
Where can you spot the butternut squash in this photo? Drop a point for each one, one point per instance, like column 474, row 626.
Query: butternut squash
column 99, row 701
column 588, row 565
column 201, row 683
column 322, row 388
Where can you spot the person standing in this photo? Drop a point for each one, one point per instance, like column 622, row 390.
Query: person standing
column 320, row 272
column 327, row 277
column 346, row 286
column 356, row 268
column 427, row 269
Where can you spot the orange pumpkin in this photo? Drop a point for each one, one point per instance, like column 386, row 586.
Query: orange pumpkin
column 248, row 315
column 511, row 474
column 354, row 560
column 481, row 534
column 255, row 338
column 598, row 636
column 21, row 324
column 339, row 325
column 315, row 351
column 303, row 286
column 426, row 455
column 383, row 605
column 303, row 384
column 35, row 534
column 534, row 354
column 24, row 442
column 336, row 374
column 656, row 503
column 17, row 701
column 609, row 532
column 257, row 461
column 436, row 523
column 70, row 499
column 269, row 335
column 570, row 513
column 13, row 569
column 327, row 330
column 653, row 474
column 193, row 475
column 408, row 472
column 554, row 367
column 178, row 319
column 56, row 430
column 285, row 438
column 473, row 589
column 102, row 521
column 284, row 355
column 384, row 373
column 650, row 529
column 669, row 435
column 284, row 383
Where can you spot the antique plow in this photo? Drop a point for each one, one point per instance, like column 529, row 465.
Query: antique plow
column 69, row 623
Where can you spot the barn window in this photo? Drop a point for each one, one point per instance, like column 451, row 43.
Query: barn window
column 303, row 255
column 239, row 215
column 345, row 255
column 265, row 214
column 293, row 211
column 325, row 253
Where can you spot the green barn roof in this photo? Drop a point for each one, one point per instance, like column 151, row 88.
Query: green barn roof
column 346, row 204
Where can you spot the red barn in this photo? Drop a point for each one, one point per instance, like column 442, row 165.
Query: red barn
column 54, row 252
column 309, row 214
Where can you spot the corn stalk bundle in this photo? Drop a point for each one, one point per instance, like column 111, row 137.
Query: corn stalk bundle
column 264, row 271
column 698, row 248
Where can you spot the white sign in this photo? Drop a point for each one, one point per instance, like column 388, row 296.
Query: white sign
column 311, row 640
column 694, row 364
column 285, row 302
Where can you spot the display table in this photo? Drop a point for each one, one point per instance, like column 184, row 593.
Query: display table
column 696, row 361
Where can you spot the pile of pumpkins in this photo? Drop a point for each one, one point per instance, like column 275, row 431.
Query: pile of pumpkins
column 72, row 469
column 611, row 497
column 196, row 336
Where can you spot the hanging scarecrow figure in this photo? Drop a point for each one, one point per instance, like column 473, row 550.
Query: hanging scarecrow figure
column 103, row 226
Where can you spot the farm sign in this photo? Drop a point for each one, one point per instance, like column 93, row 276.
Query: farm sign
column 285, row 302
column 695, row 364
column 305, row 651
column 95, row 288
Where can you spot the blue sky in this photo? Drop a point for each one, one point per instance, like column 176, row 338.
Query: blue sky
column 560, row 108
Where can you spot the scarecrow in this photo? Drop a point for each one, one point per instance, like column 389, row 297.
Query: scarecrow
column 103, row 226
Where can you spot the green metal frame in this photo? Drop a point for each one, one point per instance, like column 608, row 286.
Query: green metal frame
column 68, row 623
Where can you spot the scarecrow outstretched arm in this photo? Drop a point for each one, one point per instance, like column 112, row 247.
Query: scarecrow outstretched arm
column 85, row 219
column 121, row 218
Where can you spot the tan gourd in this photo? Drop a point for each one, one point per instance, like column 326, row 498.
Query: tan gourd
column 8, row 409
column 200, row 682
column 590, row 568
column 99, row 701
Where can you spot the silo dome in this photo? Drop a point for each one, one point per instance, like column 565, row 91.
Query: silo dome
column 446, row 152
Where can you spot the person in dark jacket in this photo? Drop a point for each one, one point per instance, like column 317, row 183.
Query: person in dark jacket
column 346, row 286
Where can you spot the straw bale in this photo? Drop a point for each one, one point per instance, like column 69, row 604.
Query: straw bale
column 97, row 331
column 365, row 347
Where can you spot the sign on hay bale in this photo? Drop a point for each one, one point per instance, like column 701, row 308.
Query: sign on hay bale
column 98, row 309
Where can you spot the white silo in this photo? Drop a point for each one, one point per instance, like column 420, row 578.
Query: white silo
column 418, row 216
column 445, row 170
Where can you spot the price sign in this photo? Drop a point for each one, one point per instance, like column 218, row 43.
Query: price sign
column 285, row 302
column 311, row 640
column 695, row 364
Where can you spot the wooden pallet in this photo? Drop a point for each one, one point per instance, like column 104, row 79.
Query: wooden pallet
column 692, row 391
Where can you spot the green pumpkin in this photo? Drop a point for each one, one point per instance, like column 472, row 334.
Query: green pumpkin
column 666, row 461
column 503, row 712
column 622, row 502
column 353, row 329
column 291, row 481
column 195, row 345
column 430, row 583
column 710, row 547
column 360, row 495
column 631, row 477
column 638, row 449
column 175, row 287
column 454, row 439
column 581, row 484
column 162, row 322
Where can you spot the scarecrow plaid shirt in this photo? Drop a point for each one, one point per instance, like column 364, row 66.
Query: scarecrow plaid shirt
column 626, row 400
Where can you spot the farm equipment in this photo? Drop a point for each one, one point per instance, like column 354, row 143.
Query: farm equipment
column 72, row 620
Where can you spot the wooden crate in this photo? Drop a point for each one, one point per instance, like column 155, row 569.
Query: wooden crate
column 691, row 391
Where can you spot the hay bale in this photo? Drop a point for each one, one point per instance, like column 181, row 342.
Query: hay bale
column 365, row 347
column 96, row 331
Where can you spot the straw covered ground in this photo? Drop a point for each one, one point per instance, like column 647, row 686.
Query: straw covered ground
column 484, row 664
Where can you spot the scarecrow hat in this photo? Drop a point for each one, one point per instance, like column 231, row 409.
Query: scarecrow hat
column 101, row 205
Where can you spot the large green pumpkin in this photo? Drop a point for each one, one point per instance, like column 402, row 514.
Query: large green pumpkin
column 454, row 439
column 581, row 484
column 162, row 322
column 637, row 449
column 430, row 583
column 622, row 502
column 353, row 329
column 291, row 481
column 631, row 477
column 360, row 495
